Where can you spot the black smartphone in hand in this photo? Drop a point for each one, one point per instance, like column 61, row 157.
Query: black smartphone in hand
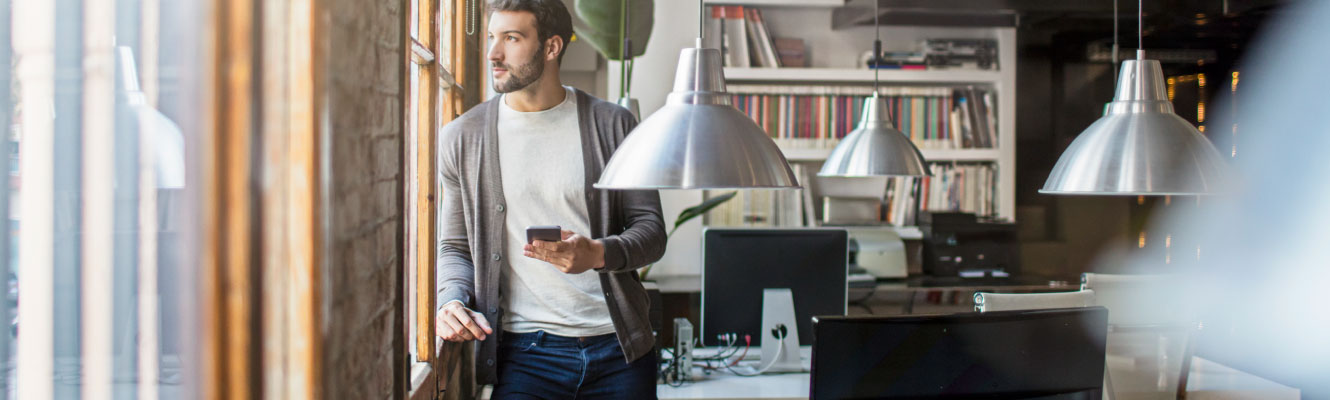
column 548, row 233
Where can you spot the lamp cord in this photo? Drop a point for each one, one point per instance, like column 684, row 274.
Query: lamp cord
column 701, row 21
column 1115, row 36
column 623, row 40
column 628, row 48
column 1140, row 47
column 877, row 42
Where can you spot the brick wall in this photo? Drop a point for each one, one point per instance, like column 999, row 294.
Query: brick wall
column 364, row 89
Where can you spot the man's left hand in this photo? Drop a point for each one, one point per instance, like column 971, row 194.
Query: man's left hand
column 574, row 254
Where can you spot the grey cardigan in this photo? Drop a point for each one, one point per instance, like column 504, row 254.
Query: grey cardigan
column 472, row 233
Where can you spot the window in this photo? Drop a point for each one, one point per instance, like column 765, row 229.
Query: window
column 97, row 110
column 443, row 57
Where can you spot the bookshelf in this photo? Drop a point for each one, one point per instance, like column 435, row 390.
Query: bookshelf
column 852, row 75
column 779, row 3
column 959, row 155
column 1002, row 81
column 833, row 58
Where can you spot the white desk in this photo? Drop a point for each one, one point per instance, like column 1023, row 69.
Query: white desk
column 1208, row 380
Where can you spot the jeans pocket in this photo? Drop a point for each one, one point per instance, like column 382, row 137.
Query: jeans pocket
column 527, row 347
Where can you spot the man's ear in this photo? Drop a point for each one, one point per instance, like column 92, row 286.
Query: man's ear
column 553, row 47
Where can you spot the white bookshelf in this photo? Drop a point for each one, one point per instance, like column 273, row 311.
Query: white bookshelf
column 833, row 56
column 779, row 3
column 1002, row 81
column 932, row 155
column 850, row 75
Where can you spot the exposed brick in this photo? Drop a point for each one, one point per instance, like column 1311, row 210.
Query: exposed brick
column 364, row 75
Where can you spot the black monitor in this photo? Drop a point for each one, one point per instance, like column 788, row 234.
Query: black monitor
column 1056, row 354
column 739, row 263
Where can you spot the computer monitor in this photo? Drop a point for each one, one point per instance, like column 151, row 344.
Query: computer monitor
column 1056, row 353
column 739, row 263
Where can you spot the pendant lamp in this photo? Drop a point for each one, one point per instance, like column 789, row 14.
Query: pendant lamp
column 875, row 147
column 1140, row 146
column 697, row 140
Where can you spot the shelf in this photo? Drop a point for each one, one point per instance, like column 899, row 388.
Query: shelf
column 780, row 3
column 862, row 75
column 930, row 155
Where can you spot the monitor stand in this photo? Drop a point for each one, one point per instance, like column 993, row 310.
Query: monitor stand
column 778, row 320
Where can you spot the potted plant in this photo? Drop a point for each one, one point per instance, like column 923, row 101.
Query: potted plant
column 618, row 30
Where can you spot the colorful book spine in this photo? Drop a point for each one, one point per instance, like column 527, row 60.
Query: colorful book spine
column 818, row 117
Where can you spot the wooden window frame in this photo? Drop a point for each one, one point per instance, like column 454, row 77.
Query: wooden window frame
column 447, row 85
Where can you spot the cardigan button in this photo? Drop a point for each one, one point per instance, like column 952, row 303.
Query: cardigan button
column 499, row 208
column 489, row 362
column 496, row 257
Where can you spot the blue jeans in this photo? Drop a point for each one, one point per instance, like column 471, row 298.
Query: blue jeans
column 540, row 365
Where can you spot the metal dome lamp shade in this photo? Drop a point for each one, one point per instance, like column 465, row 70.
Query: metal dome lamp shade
column 1139, row 146
column 697, row 140
column 875, row 147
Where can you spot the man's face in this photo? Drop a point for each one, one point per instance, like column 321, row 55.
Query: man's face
column 517, row 56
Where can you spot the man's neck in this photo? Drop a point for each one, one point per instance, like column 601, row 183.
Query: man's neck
column 541, row 95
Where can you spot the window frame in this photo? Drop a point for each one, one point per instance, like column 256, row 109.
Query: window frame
column 440, row 50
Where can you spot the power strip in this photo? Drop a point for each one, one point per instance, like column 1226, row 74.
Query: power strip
column 683, row 350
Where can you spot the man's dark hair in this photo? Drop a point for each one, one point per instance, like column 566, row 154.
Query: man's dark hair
column 552, row 19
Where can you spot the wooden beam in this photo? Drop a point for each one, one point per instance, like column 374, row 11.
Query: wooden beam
column 227, row 277
column 426, row 128
column 306, row 219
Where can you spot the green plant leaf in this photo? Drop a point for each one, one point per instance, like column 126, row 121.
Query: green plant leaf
column 702, row 208
column 601, row 20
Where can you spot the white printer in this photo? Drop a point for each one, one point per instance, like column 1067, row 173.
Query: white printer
column 878, row 250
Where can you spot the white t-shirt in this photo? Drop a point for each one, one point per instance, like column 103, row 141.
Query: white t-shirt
column 540, row 159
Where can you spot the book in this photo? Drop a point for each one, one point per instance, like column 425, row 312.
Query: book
column 713, row 32
column 759, row 39
column 804, row 116
column 733, row 35
column 955, row 187
column 791, row 52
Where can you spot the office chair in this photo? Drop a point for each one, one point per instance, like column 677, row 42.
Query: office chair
column 991, row 302
column 1140, row 307
column 1151, row 326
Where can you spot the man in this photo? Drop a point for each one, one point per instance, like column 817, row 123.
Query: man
column 554, row 320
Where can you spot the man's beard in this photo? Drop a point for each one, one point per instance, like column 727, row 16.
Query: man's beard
column 522, row 76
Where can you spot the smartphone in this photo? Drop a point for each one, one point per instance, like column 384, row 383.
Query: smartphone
column 548, row 233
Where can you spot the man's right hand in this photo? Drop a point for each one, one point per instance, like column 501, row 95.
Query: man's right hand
column 456, row 323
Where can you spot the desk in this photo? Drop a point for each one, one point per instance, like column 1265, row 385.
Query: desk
column 684, row 290
column 1207, row 380
column 693, row 284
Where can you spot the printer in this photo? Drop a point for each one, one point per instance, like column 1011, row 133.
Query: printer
column 962, row 245
column 878, row 250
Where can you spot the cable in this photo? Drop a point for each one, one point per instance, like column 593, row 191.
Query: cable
column 779, row 349
column 731, row 347
column 877, row 42
column 748, row 342
column 871, row 291
column 701, row 21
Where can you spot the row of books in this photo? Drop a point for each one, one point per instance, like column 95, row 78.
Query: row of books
column 967, row 188
column 959, row 187
column 970, row 188
column 743, row 38
column 819, row 116
column 761, row 208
